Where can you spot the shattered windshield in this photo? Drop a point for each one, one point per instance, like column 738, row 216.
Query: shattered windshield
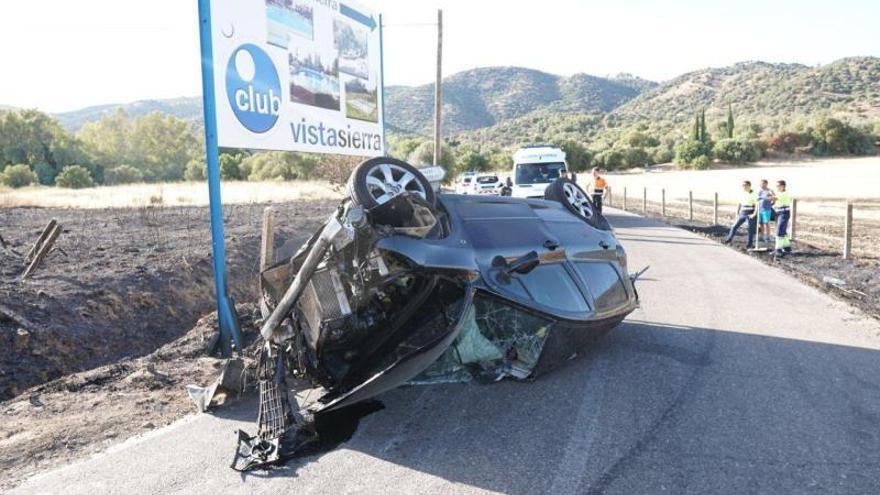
column 497, row 340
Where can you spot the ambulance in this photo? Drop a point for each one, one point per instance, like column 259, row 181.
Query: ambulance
column 534, row 168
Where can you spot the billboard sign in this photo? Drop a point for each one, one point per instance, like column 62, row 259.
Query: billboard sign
column 298, row 75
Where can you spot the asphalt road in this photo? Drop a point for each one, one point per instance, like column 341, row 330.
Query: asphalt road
column 732, row 378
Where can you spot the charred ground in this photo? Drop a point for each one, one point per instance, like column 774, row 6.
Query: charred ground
column 99, row 343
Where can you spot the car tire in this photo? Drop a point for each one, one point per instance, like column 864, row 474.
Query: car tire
column 575, row 200
column 377, row 180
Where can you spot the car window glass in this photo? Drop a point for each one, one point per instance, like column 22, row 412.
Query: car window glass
column 604, row 282
column 551, row 286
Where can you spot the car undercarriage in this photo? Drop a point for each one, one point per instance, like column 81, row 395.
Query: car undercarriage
column 402, row 285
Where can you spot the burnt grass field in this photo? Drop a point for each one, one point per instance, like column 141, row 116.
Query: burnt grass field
column 100, row 341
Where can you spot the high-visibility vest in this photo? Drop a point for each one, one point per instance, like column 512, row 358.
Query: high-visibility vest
column 599, row 185
column 783, row 201
column 748, row 201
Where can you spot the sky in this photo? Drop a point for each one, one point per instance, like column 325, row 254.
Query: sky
column 60, row 55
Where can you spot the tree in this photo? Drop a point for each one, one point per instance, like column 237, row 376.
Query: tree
column 230, row 166
column 16, row 176
column 729, row 121
column 424, row 155
column 161, row 145
column 577, row 155
column 688, row 151
column 106, row 141
column 196, row 170
column 74, row 177
column 738, row 150
column 704, row 137
column 468, row 158
column 32, row 137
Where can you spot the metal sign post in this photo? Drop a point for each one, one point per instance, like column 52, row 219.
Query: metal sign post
column 228, row 319
column 298, row 76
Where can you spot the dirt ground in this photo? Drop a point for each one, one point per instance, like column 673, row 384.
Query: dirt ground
column 109, row 321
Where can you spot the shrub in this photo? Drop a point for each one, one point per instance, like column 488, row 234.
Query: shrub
column 467, row 159
column 230, row 166
column 18, row 176
column 123, row 174
column 688, row 151
column 635, row 157
column 788, row 141
column 832, row 136
column 46, row 173
column 74, row 177
column 738, row 150
column 278, row 165
column 701, row 162
column 661, row 154
column 196, row 170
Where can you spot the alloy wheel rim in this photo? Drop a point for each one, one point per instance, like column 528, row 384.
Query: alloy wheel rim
column 577, row 199
column 385, row 181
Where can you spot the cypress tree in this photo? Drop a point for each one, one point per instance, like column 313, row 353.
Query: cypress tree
column 729, row 121
column 696, row 131
column 703, row 126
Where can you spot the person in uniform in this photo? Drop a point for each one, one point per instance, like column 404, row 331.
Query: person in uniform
column 746, row 213
column 782, row 207
column 598, row 188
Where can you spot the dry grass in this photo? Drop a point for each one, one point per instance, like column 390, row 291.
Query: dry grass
column 822, row 186
column 173, row 194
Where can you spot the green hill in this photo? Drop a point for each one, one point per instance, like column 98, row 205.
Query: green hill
column 186, row 107
column 483, row 97
column 849, row 87
column 771, row 96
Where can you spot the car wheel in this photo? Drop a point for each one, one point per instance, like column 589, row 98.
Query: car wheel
column 378, row 180
column 572, row 197
column 576, row 201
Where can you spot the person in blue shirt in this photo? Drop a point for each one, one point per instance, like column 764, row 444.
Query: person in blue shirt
column 765, row 211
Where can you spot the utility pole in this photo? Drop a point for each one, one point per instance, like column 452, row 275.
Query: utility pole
column 438, row 89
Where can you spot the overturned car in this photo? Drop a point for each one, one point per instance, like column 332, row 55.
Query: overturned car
column 402, row 284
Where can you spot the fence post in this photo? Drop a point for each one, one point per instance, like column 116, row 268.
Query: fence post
column 624, row 199
column 715, row 206
column 847, row 232
column 793, row 218
column 267, row 239
column 644, row 200
column 691, row 206
column 663, row 202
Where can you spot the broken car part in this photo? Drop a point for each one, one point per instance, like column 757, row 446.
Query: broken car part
column 404, row 285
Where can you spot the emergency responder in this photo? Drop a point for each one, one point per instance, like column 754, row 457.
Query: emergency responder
column 598, row 186
column 765, row 212
column 782, row 206
column 746, row 213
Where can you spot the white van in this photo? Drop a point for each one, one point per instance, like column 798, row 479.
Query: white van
column 534, row 168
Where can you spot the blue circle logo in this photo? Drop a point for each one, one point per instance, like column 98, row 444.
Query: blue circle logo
column 253, row 88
